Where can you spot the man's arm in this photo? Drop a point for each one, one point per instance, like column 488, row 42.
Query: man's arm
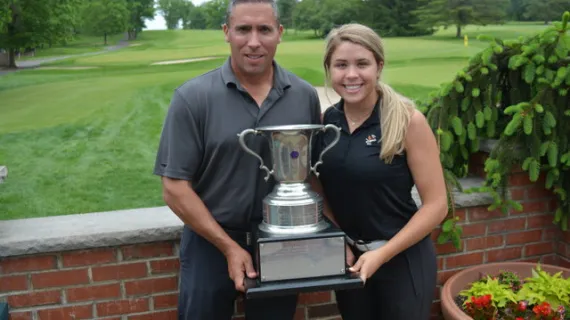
column 185, row 203
column 179, row 156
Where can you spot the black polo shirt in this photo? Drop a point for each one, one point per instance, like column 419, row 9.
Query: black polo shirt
column 199, row 139
column 370, row 199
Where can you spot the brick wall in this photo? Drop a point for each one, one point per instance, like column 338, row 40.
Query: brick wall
column 134, row 282
column 139, row 282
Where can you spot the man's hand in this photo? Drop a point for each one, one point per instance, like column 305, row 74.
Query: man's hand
column 368, row 264
column 240, row 264
column 349, row 256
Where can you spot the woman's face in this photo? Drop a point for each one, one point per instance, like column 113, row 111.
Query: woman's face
column 354, row 73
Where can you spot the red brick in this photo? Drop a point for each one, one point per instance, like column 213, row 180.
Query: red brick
column 461, row 213
column 66, row 313
column 550, row 259
column 60, row 278
column 38, row 298
column 520, row 179
column 445, row 248
column 117, row 272
column 322, row 310
column 463, row 260
column 21, row 316
column 540, row 221
column 148, row 250
column 436, row 309
column 474, row 229
column 439, row 263
column 165, row 266
column 538, row 248
column 504, row 254
column 482, row 214
column 122, row 307
column 165, row 301
column 106, row 291
column 24, row 264
column 88, row 257
column 506, row 225
column 147, row 286
column 518, row 193
column 538, row 206
column 13, row 283
column 162, row 315
column 550, row 234
column 483, row 242
column 553, row 204
column 563, row 262
column 524, row 237
column 315, row 297
column 300, row 314
column 538, row 192
column 443, row 276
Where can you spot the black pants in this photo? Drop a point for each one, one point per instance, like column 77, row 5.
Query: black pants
column 208, row 293
column 401, row 289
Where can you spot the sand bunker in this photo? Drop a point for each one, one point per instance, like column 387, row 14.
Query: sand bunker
column 67, row 68
column 183, row 61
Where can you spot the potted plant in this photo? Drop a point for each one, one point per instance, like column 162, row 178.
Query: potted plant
column 508, row 291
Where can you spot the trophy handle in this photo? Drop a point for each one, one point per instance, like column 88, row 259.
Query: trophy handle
column 335, row 141
column 242, row 136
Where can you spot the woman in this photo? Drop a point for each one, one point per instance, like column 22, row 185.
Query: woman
column 386, row 146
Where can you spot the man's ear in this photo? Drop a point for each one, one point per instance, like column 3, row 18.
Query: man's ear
column 280, row 32
column 226, row 29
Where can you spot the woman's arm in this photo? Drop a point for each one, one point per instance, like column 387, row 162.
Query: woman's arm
column 424, row 163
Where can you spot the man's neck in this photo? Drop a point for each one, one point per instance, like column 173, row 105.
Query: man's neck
column 252, row 81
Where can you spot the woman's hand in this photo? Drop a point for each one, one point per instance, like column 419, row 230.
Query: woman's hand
column 368, row 263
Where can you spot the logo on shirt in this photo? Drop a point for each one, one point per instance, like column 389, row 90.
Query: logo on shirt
column 370, row 139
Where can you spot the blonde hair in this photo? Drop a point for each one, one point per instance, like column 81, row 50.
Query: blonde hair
column 395, row 109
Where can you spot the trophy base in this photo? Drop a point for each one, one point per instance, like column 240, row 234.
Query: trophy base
column 306, row 262
column 254, row 289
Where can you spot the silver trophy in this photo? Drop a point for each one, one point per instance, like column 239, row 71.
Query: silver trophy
column 296, row 247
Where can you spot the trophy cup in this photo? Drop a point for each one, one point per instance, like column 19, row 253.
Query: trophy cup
column 296, row 249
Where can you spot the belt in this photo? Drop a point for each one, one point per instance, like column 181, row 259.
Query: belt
column 364, row 246
column 239, row 235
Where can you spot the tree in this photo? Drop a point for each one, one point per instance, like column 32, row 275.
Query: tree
column 172, row 11
column 215, row 12
column 105, row 17
column 197, row 19
column 30, row 24
column 460, row 13
column 286, row 8
column 139, row 10
column 544, row 10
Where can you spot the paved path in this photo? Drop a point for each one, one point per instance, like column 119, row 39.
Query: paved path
column 327, row 97
column 27, row 64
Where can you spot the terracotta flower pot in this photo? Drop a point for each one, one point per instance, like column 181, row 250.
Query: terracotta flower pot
column 462, row 279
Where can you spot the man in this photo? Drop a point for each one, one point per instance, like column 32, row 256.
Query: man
column 208, row 180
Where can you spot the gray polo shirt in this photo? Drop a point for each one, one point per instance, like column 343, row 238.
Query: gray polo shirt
column 199, row 139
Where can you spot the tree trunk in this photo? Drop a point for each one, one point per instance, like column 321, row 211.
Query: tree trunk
column 458, row 33
column 12, row 58
column 105, row 36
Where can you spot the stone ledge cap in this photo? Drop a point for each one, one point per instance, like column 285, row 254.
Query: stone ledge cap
column 124, row 227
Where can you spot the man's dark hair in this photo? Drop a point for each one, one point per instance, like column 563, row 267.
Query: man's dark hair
column 234, row 3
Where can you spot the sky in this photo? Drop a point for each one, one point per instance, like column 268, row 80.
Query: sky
column 158, row 22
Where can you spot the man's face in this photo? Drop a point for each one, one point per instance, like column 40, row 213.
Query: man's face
column 253, row 34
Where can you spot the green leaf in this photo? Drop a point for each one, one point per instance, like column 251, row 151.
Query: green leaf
column 446, row 141
column 484, row 70
column 475, row 92
column 465, row 103
column 527, row 125
column 471, row 131
column 514, row 124
column 543, row 148
column 443, row 237
column 558, row 215
column 459, row 87
column 552, row 154
column 534, row 170
column 529, row 72
column 480, row 119
column 447, row 225
column 487, row 113
column 457, row 125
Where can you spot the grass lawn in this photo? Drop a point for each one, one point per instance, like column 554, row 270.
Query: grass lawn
column 79, row 141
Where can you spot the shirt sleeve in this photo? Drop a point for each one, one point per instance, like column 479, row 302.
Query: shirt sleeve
column 180, row 148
